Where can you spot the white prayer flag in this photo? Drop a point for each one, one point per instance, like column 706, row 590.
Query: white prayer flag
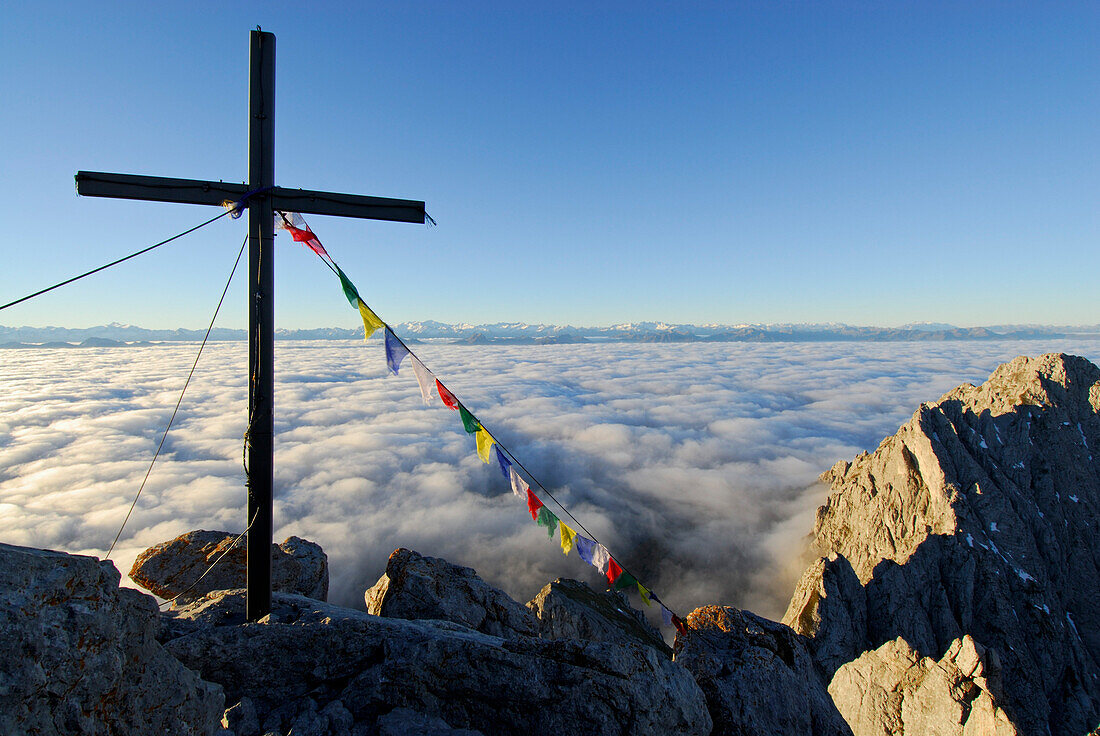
column 519, row 486
column 424, row 377
column 600, row 558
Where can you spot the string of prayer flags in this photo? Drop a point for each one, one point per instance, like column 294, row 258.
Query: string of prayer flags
column 485, row 443
column 446, row 396
column 424, row 379
column 548, row 519
column 613, row 570
column 568, row 536
column 589, row 550
column 395, row 351
column 469, row 421
column 504, row 463
column 519, row 485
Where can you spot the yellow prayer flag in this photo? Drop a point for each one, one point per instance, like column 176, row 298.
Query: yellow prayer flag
column 644, row 594
column 568, row 536
column 371, row 322
column 485, row 443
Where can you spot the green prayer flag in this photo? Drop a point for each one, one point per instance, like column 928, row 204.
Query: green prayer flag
column 349, row 288
column 547, row 519
column 624, row 581
column 469, row 421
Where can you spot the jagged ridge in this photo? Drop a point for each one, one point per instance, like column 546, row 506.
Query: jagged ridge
column 977, row 517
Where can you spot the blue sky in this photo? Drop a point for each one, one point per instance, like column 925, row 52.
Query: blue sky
column 870, row 163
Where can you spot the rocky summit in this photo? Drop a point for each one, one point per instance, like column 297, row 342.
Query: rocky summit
column 974, row 527
column 953, row 591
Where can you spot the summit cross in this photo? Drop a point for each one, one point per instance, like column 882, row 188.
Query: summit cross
column 262, row 198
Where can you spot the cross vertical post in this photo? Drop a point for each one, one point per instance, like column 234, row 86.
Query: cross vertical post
column 261, row 318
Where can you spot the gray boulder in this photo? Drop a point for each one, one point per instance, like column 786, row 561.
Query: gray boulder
column 174, row 568
column 340, row 671
column 419, row 587
column 78, row 654
column 894, row 690
column 569, row 609
column 978, row 517
column 757, row 675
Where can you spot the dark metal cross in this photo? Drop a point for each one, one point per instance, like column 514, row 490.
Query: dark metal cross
column 262, row 198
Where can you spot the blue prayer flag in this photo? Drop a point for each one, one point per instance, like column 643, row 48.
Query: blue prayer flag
column 586, row 548
column 505, row 464
column 395, row 351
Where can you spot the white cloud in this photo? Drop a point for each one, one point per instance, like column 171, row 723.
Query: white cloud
column 695, row 464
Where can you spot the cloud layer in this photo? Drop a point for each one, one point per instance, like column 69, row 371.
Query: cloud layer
column 695, row 464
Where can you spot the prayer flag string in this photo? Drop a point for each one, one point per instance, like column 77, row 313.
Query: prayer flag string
column 488, row 447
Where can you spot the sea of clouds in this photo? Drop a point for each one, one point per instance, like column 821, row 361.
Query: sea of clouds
column 695, row 464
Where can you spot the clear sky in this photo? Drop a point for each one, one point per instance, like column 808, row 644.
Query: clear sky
column 870, row 163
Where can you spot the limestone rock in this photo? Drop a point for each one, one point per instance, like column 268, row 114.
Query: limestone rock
column 172, row 568
column 569, row 609
column 418, row 587
column 829, row 598
column 310, row 657
column 78, row 654
column 978, row 517
column 893, row 690
column 757, row 675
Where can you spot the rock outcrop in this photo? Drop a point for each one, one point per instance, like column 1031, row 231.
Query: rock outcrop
column 315, row 668
column 418, row 587
column 569, row 609
column 757, row 675
column 893, row 690
column 78, row 654
column 174, row 568
column 980, row 518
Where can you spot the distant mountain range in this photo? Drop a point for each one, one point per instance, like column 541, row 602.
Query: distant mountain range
column 521, row 333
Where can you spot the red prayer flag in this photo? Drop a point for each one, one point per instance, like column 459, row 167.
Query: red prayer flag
column 533, row 504
column 306, row 236
column 446, row 396
column 679, row 624
column 613, row 571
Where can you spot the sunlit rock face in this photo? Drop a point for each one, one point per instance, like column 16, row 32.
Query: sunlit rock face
column 977, row 519
column 893, row 690
column 181, row 568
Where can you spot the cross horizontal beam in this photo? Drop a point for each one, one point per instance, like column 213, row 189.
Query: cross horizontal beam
column 196, row 191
